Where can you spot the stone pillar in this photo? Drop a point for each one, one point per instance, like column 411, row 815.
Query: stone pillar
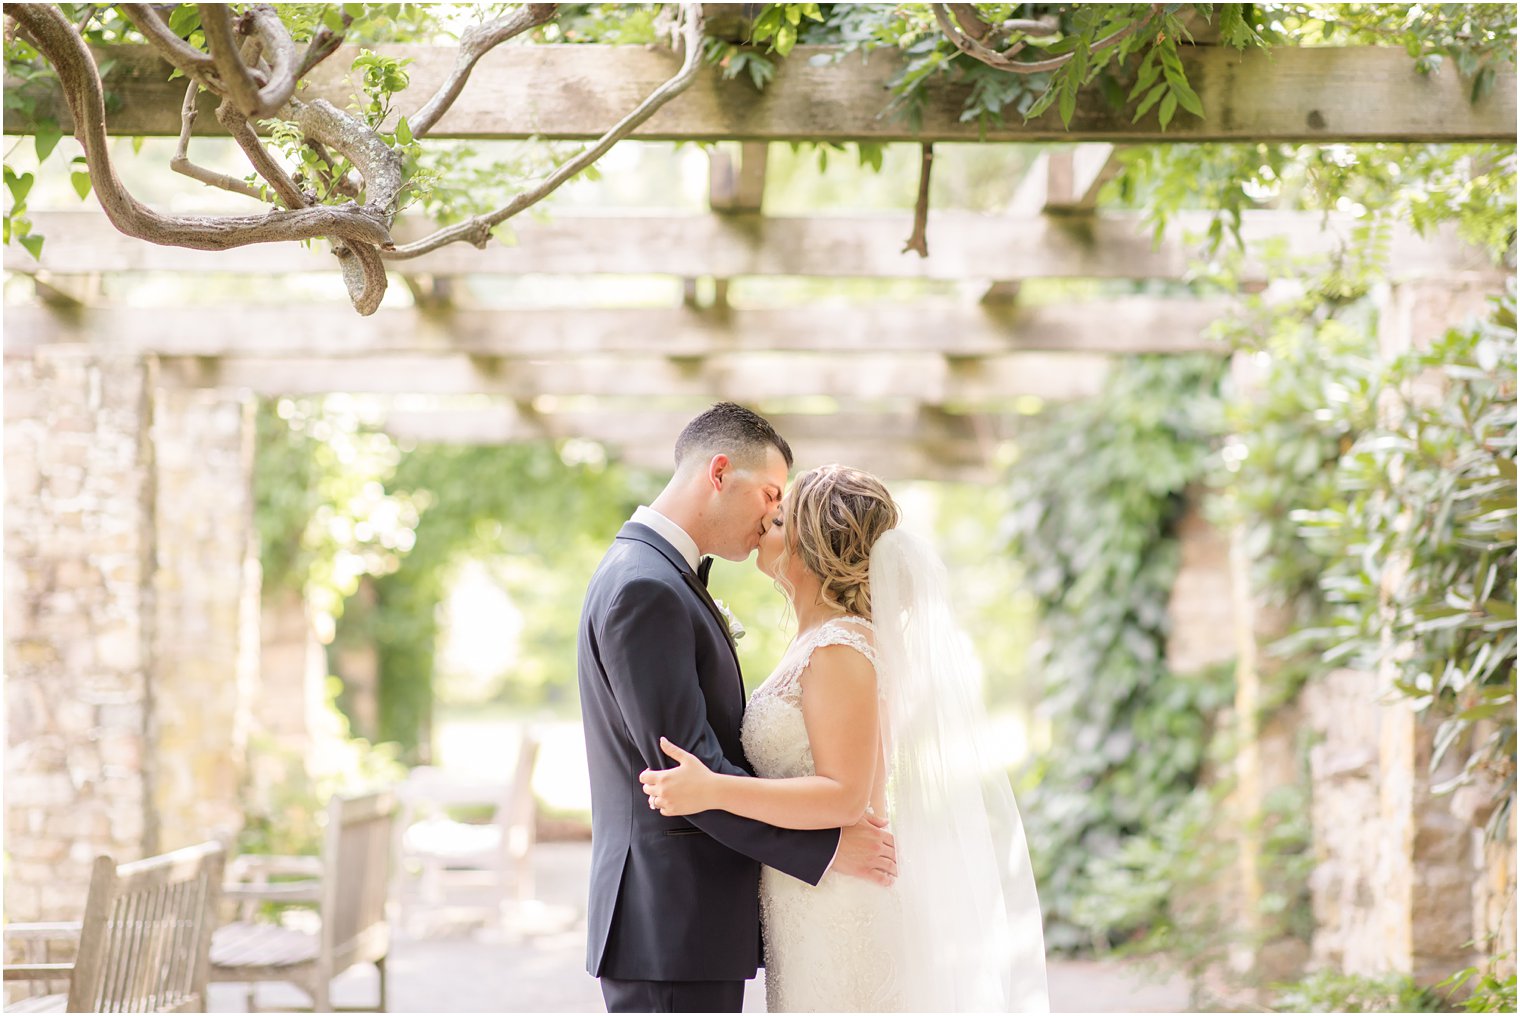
column 78, row 648
column 1266, row 748
column 206, row 591
column 291, row 701
column 1200, row 611
column 128, row 622
column 1343, row 712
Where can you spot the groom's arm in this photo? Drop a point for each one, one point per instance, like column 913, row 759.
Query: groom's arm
column 648, row 651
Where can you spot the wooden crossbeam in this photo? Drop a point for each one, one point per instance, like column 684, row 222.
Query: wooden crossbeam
column 501, row 422
column 1120, row 326
column 921, row 443
column 966, row 246
column 577, row 92
column 740, row 377
column 737, row 185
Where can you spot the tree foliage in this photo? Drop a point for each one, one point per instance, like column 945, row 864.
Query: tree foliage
column 1098, row 491
column 364, row 165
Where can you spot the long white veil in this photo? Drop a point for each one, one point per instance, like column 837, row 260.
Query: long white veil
column 971, row 915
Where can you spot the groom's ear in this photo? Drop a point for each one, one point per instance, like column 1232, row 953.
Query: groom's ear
column 717, row 471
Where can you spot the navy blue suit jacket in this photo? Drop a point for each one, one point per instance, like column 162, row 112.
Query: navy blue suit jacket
column 672, row 899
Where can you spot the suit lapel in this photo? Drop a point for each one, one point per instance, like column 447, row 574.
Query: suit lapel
column 643, row 534
column 712, row 605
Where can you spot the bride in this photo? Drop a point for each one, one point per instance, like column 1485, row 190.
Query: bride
column 876, row 709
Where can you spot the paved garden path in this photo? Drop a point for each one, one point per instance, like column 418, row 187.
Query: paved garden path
column 537, row 967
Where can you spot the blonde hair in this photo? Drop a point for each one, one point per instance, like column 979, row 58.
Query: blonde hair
column 834, row 516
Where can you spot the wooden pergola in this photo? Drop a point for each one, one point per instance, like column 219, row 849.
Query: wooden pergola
column 926, row 389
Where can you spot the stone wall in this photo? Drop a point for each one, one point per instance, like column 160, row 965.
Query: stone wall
column 1201, row 610
column 290, row 705
column 1403, row 880
column 205, row 625
column 78, row 566
column 130, row 607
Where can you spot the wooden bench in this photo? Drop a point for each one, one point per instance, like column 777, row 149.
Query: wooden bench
column 434, row 851
column 143, row 944
column 347, row 884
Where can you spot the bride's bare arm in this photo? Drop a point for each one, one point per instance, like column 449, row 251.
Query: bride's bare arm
column 839, row 706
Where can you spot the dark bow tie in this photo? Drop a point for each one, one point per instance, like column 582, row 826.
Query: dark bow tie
column 703, row 567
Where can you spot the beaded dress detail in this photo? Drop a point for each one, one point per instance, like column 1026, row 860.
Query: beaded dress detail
column 835, row 947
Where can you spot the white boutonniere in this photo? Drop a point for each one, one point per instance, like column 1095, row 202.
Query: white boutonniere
column 734, row 627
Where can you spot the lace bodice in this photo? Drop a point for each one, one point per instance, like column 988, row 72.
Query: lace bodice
column 835, row 947
column 775, row 736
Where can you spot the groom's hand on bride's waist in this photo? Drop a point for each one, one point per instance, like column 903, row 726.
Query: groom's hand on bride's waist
column 868, row 851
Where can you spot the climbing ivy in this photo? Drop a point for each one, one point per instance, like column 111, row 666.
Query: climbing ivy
column 1421, row 551
column 1098, row 491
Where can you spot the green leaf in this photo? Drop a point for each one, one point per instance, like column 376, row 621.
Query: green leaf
column 46, row 139
column 1499, row 608
column 33, row 245
column 19, row 186
column 185, row 19
column 786, row 38
column 81, row 182
column 1068, row 105
column 403, row 131
column 1150, row 100
column 1187, row 98
column 1168, row 107
column 1149, row 71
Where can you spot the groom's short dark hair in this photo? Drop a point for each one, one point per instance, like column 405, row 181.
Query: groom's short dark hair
column 730, row 429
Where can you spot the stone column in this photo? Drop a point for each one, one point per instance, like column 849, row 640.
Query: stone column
column 78, row 609
column 288, row 710
column 1423, row 874
column 206, row 590
column 128, row 619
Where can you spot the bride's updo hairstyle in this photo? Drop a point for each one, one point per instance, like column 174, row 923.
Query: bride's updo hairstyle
column 834, row 516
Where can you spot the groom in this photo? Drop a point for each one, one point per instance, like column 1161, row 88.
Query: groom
column 673, row 920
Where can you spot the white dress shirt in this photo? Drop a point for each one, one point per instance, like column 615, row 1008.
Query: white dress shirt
column 673, row 534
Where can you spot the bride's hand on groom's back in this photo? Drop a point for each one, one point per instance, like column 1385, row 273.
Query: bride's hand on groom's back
column 867, row 850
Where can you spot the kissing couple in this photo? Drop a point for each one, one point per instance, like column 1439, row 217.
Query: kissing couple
column 848, row 811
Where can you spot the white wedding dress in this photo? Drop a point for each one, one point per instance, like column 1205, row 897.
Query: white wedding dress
column 835, row 947
column 960, row 930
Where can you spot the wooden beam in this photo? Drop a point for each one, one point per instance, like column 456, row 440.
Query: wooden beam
column 1092, row 166
column 507, row 422
column 890, row 462
column 922, row 443
column 966, row 246
column 737, row 186
column 740, row 377
column 1118, row 326
column 576, row 92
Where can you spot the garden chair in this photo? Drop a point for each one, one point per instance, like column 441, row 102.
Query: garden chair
column 348, row 885
column 437, row 851
column 143, row 944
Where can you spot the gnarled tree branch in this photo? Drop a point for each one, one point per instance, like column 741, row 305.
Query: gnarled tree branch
column 477, row 230
column 965, row 28
column 181, row 163
column 919, row 240
column 230, row 117
column 65, row 50
column 378, row 163
column 477, row 41
column 171, row 47
column 238, row 80
column 363, row 274
column 322, row 45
